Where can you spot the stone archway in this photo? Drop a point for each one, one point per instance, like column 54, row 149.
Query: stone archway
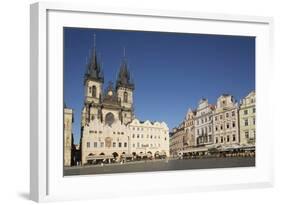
column 115, row 154
column 156, row 154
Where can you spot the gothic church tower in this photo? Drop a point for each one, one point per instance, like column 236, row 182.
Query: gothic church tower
column 124, row 89
column 93, row 85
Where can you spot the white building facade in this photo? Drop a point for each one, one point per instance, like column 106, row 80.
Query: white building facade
column 204, row 123
column 149, row 138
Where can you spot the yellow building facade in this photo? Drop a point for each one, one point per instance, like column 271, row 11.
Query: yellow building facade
column 68, row 138
column 247, row 120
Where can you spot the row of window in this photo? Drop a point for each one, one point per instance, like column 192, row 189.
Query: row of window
column 133, row 128
column 227, row 139
column 146, row 129
column 227, row 126
column 101, row 144
column 246, row 122
column 138, row 145
column 118, row 133
column 204, row 130
column 147, row 136
column 204, row 139
column 226, row 115
column 190, row 123
column 120, row 144
column 95, row 131
column 203, row 120
column 246, row 112
column 252, row 136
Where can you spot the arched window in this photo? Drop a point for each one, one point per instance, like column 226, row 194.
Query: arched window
column 125, row 97
column 94, row 91
column 109, row 119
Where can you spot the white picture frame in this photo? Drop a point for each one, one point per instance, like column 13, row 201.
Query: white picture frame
column 46, row 157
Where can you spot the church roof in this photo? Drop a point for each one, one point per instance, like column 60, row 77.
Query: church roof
column 110, row 97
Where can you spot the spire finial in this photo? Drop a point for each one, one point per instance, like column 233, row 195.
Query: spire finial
column 94, row 40
column 124, row 51
column 94, row 70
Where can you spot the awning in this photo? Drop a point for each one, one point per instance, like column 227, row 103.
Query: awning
column 142, row 155
column 199, row 149
column 248, row 148
column 96, row 157
column 233, row 147
column 127, row 155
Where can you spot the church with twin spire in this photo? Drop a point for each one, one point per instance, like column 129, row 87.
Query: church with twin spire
column 109, row 128
column 113, row 103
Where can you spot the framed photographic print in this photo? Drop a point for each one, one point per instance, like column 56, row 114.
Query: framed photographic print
column 143, row 99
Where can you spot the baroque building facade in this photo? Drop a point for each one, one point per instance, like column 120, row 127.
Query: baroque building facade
column 68, row 136
column 177, row 139
column 204, row 123
column 247, row 121
column 225, row 121
column 183, row 137
column 216, row 128
column 108, row 123
column 189, row 140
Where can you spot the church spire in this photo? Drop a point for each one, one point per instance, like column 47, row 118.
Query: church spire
column 94, row 71
column 124, row 77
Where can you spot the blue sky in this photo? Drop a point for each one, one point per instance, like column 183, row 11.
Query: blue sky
column 171, row 71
